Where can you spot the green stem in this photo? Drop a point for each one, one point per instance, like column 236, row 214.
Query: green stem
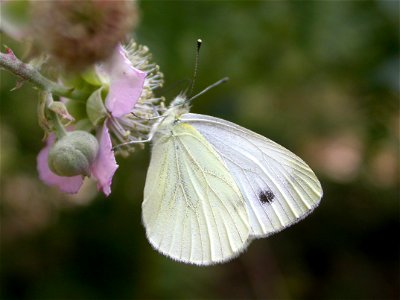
column 59, row 128
column 46, row 99
column 11, row 63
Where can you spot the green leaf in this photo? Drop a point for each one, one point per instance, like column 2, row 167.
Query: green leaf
column 95, row 108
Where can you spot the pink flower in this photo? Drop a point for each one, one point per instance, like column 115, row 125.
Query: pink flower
column 126, row 84
column 104, row 166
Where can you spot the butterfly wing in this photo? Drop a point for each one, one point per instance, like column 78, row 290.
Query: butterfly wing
column 279, row 188
column 193, row 211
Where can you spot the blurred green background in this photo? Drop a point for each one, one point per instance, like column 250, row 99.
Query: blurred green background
column 319, row 77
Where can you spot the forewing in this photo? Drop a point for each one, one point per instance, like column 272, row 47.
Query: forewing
column 193, row 211
column 278, row 186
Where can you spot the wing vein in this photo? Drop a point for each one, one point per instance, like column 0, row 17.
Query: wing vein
column 203, row 172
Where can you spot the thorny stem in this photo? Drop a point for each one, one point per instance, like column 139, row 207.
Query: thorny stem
column 11, row 63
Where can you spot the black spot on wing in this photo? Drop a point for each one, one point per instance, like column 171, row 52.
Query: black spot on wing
column 266, row 196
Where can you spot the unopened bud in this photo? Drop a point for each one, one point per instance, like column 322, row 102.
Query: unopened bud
column 73, row 154
column 61, row 110
column 80, row 33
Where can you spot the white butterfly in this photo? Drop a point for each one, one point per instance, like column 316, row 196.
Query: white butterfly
column 213, row 186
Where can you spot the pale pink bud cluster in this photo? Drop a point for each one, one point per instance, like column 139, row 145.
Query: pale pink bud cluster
column 80, row 33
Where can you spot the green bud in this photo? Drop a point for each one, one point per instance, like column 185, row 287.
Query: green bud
column 73, row 154
column 61, row 110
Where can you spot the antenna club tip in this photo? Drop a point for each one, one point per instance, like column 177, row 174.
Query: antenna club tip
column 199, row 42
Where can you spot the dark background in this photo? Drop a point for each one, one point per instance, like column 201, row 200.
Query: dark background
column 319, row 77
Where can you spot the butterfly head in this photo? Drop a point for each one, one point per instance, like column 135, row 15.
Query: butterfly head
column 180, row 105
column 179, row 100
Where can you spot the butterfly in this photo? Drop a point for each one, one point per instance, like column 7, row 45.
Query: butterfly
column 213, row 186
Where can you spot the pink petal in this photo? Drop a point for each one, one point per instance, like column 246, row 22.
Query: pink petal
column 126, row 84
column 69, row 185
column 105, row 164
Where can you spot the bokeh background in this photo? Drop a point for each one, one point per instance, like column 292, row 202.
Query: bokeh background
column 319, row 77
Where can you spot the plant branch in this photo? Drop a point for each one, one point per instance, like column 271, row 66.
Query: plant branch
column 11, row 63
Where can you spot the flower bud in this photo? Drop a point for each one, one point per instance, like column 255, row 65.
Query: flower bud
column 73, row 154
column 61, row 110
column 80, row 33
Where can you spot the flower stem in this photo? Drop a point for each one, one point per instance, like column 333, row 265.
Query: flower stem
column 11, row 63
column 59, row 128
column 46, row 99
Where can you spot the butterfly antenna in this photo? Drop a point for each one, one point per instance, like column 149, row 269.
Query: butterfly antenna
column 196, row 66
column 225, row 79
